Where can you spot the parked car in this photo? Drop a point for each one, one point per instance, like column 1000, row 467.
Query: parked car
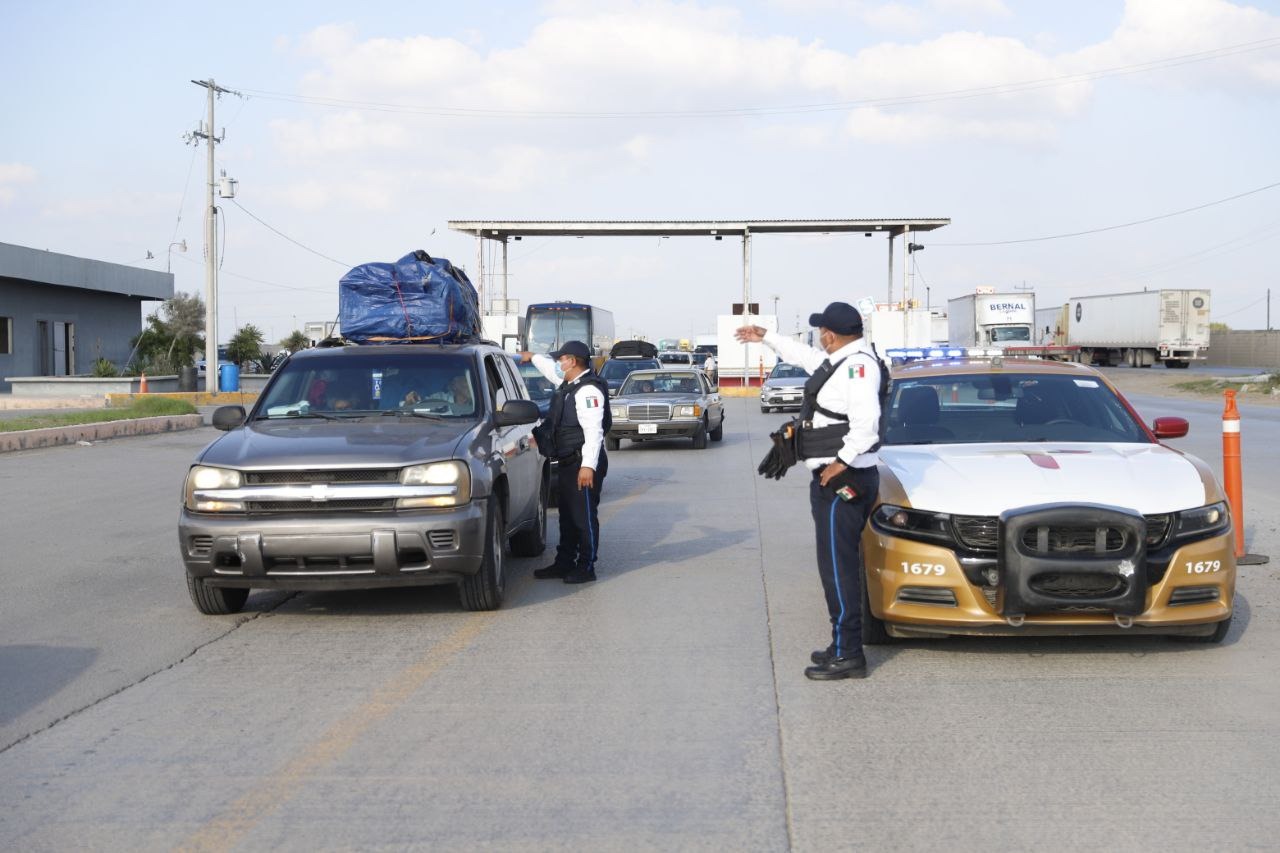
column 676, row 357
column 1027, row 498
column 783, row 388
column 666, row 403
column 368, row 466
column 615, row 370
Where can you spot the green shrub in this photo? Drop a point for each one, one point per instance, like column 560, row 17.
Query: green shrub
column 103, row 368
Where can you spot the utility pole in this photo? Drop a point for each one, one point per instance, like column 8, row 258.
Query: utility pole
column 211, row 245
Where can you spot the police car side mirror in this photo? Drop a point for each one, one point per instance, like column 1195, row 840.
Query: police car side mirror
column 516, row 412
column 1170, row 427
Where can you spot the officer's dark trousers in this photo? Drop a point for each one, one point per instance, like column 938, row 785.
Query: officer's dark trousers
column 579, row 514
column 839, row 526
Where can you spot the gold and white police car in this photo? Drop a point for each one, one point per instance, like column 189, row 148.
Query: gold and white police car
column 1027, row 497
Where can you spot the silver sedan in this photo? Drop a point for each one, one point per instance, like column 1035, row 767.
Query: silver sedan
column 669, row 403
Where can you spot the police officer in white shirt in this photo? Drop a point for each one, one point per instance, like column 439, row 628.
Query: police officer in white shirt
column 842, row 408
column 576, row 423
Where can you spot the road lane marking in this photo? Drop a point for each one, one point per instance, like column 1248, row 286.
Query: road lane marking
column 239, row 818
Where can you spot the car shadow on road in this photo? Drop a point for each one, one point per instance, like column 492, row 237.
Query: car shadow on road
column 1137, row 645
column 31, row 674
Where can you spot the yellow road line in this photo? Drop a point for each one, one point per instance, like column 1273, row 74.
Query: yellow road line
column 226, row 830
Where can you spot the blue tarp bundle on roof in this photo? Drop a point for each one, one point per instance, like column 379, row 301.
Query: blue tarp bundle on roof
column 416, row 298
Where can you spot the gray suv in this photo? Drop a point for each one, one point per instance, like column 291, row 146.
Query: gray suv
column 369, row 466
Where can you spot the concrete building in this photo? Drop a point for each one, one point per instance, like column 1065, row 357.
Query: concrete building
column 59, row 313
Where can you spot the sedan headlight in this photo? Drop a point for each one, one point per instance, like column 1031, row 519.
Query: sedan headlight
column 913, row 524
column 1204, row 521
column 451, row 482
column 688, row 411
column 618, row 411
column 205, row 479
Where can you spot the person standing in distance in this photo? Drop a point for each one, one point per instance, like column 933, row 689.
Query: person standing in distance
column 710, row 367
column 842, row 406
column 576, row 422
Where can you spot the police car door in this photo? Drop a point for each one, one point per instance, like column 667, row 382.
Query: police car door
column 513, row 443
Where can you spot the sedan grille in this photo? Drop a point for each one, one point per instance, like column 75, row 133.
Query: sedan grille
column 1078, row 584
column 1073, row 540
column 648, row 412
column 981, row 533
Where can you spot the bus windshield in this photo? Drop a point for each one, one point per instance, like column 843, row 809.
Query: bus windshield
column 549, row 330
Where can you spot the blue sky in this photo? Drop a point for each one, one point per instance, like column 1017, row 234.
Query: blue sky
column 1125, row 128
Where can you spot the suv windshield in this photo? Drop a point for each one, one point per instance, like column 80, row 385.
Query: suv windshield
column 616, row 369
column 351, row 386
column 985, row 408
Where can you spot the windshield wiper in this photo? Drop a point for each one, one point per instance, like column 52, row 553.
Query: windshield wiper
column 294, row 414
column 414, row 413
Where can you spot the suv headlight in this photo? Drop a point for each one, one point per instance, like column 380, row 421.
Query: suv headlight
column 694, row 411
column 452, row 479
column 913, row 524
column 205, row 479
column 1204, row 521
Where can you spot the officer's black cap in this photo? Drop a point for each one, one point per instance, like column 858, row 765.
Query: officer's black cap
column 840, row 317
column 577, row 348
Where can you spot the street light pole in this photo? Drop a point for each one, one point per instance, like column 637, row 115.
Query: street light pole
column 168, row 261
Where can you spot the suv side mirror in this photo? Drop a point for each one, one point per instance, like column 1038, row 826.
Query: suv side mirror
column 228, row 417
column 516, row 412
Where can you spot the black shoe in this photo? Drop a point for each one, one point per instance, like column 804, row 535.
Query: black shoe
column 580, row 576
column 551, row 571
column 850, row 667
column 822, row 656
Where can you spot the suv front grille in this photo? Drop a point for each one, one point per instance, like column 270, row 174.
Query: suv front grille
column 320, row 506
column 647, row 412
column 306, row 478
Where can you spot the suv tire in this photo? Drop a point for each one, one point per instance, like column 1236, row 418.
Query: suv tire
column 533, row 541
column 483, row 590
column 215, row 600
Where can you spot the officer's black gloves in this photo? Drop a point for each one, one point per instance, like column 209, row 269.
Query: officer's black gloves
column 782, row 455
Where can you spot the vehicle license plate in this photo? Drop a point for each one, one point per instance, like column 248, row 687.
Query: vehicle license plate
column 648, row 429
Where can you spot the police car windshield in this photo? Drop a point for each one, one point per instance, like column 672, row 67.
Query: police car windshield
column 1000, row 407
column 352, row 386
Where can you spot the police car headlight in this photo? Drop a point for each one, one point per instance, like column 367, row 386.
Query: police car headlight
column 688, row 411
column 451, row 481
column 913, row 524
column 1204, row 521
column 206, row 480
column 618, row 411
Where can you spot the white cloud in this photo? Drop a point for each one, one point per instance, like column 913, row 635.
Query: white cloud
column 11, row 175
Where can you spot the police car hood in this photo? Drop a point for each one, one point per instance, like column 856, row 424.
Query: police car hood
column 987, row 479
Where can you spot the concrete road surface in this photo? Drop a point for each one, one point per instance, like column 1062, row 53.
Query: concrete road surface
column 663, row 707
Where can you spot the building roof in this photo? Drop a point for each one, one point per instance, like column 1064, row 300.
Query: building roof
column 39, row 266
column 502, row 229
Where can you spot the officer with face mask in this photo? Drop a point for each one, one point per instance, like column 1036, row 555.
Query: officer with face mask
column 573, row 433
column 838, row 441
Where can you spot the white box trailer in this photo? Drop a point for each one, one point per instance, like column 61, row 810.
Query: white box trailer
column 991, row 319
column 1139, row 329
column 734, row 359
column 1051, row 326
column 891, row 328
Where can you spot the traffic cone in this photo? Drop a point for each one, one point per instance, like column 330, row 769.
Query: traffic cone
column 142, row 384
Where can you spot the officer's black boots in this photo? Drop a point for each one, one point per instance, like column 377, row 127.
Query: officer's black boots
column 551, row 571
column 580, row 576
column 854, row 666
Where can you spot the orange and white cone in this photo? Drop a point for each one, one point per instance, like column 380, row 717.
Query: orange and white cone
column 142, row 384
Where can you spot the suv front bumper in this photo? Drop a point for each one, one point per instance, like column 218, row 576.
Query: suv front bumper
column 322, row 551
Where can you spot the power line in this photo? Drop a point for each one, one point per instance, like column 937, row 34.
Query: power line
column 752, row 112
column 290, row 239
column 1121, row 225
column 1258, row 301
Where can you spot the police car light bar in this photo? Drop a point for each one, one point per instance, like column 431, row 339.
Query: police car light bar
column 899, row 355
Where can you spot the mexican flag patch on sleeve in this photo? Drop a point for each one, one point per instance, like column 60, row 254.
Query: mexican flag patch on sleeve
column 593, row 402
column 858, row 371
